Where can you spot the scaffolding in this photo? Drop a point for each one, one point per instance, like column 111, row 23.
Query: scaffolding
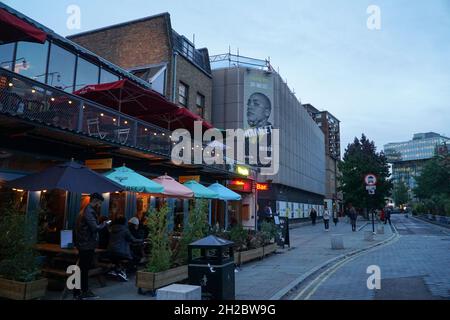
column 229, row 60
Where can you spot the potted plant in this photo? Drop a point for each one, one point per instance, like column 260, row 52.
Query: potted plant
column 254, row 248
column 20, row 274
column 268, row 234
column 158, row 272
column 239, row 236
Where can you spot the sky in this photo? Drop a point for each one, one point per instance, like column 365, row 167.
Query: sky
column 388, row 83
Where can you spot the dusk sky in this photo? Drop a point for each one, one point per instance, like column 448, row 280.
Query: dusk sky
column 388, row 83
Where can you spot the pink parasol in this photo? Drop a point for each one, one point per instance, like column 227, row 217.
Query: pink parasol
column 173, row 189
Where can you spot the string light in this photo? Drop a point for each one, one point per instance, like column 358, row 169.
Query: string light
column 101, row 114
column 33, row 91
column 70, row 101
column 53, row 99
column 10, row 84
column 114, row 119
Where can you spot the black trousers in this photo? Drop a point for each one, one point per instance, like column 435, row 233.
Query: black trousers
column 327, row 224
column 386, row 220
column 314, row 221
column 353, row 225
column 85, row 263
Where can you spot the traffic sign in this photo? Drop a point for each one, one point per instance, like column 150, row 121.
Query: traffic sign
column 370, row 179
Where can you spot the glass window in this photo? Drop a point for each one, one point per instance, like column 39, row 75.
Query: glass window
column 200, row 104
column 159, row 83
column 107, row 77
column 6, row 56
column 87, row 73
column 35, row 57
column 61, row 68
column 183, row 93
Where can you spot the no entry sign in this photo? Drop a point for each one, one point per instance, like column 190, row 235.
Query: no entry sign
column 370, row 179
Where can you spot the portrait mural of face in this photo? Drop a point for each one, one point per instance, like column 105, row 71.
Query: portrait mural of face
column 259, row 110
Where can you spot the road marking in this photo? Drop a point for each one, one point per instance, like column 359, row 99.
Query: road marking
column 327, row 273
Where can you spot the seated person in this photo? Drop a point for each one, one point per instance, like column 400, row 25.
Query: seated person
column 103, row 234
column 118, row 250
column 137, row 249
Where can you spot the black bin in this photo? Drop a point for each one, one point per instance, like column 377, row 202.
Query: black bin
column 211, row 266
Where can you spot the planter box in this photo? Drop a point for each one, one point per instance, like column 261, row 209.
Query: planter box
column 429, row 217
column 249, row 255
column 15, row 290
column 153, row 281
column 269, row 249
column 237, row 256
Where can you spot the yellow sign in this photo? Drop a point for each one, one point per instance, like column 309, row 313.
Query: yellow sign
column 243, row 171
column 184, row 179
column 99, row 164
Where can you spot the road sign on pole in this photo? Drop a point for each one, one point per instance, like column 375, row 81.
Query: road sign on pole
column 370, row 179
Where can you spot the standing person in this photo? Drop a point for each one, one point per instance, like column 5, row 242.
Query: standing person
column 352, row 215
column 268, row 212
column 388, row 217
column 313, row 215
column 86, row 240
column 326, row 219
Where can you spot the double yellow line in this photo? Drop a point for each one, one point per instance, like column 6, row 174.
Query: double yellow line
column 312, row 287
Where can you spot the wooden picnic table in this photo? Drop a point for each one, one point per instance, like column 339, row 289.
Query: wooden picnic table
column 55, row 248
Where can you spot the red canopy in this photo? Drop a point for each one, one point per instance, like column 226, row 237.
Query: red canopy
column 14, row 29
column 145, row 104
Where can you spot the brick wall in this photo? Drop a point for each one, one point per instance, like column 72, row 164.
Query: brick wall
column 197, row 82
column 135, row 44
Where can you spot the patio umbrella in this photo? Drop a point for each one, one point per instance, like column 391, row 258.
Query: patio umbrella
column 16, row 29
column 224, row 193
column 201, row 191
column 173, row 189
column 132, row 181
column 69, row 176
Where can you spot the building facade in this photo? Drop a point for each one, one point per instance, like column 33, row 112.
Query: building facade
column 408, row 157
column 248, row 94
column 330, row 126
column 153, row 51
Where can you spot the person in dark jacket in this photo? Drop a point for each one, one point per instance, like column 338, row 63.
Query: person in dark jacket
column 353, row 215
column 137, row 249
column 86, row 241
column 119, row 249
column 103, row 234
column 313, row 216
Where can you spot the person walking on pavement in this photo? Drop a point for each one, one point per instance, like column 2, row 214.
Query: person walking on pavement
column 313, row 216
column 86, row 241
column 388, row 217
column 335, row 217
column 326, row 219
column 352, row 215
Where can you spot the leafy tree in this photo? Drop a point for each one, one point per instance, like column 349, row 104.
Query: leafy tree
column 160, row 253
column 434, row 179
column 400, row 193
column 361, row 158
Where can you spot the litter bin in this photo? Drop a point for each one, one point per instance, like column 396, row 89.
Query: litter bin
column 211, row 266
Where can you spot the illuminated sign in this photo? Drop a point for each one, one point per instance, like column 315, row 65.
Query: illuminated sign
column 99, row 164
column 183, row 179
column 243, row 171
column 240, row 185
column 262, row 186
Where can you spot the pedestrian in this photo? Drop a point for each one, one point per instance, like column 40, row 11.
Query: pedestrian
column 313, row 215
column 335, row 217
column 352, row 215
column 326, row 219
column 382, row 215
column 86, row 240
column 388, row 217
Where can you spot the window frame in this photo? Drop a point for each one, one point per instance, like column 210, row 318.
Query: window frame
column 202, row 105
column 185, row 96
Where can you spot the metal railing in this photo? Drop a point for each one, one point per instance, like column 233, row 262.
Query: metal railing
column 33, row 101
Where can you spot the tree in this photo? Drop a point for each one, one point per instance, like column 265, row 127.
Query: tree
column 160, row 253
column 361, row 158
column 400, row 193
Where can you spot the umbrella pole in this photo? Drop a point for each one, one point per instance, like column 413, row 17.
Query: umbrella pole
column 226, row 215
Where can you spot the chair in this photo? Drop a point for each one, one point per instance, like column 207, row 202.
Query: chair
column 95, row 122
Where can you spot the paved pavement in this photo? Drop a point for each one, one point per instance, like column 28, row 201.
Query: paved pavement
column 275, row 274
column 414, row 266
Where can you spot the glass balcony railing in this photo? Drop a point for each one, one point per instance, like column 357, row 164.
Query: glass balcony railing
column 33, row 101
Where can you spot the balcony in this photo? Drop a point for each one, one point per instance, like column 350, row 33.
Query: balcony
column 38, row 103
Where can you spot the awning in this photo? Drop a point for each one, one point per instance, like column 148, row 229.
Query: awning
column 147, row 105
column 14, row 29
column 224, row 193
column 127, row 97
column 177, row 119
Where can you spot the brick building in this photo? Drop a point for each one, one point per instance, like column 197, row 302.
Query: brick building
column 152, row 50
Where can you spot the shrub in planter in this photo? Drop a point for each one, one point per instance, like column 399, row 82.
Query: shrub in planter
column 195, row 229
column 239, row 236
column 160, row 253
column 268, row 232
